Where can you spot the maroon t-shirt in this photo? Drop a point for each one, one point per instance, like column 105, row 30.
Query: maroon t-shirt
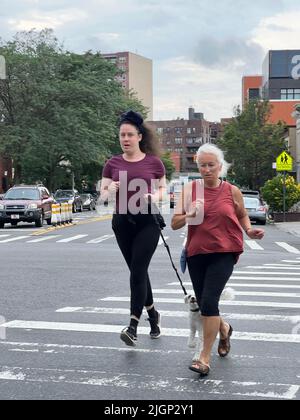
column 134, row 177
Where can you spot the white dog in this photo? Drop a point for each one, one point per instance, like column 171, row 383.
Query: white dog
column 195, row 320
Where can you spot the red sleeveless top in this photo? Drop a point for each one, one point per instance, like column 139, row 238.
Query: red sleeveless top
column 220, row 230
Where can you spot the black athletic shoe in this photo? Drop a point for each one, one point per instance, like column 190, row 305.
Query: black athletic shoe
column 155, row 326
column 128, row 335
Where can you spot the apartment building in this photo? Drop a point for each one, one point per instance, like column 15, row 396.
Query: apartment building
column 279, row 83
column 184, row 137
column 135, row 74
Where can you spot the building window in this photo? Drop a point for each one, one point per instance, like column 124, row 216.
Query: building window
column 122, row 59
column 160, row 130
column 288, row 94
column 178, row 130
column 178, row 140
column 253, row 94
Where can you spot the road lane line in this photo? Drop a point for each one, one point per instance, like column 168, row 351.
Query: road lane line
column 13, row 239
column 288, row 247
column 100, row 239
column 161, row 384
column 268, row 304
column 170, row 332
column 236, row 293
column 273, row 273
column 72, row 238
column 46, row 238
column 293, row 319
column 254, row 245
column 252, row 285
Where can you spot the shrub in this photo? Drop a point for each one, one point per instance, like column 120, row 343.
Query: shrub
column 272, row 192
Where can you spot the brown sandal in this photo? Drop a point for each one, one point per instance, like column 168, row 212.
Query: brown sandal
column 200, row 367
column 224, row 344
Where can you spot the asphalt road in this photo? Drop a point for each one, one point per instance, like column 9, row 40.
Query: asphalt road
column 64, row 300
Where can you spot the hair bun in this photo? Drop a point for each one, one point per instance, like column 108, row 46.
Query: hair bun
column 132, row 117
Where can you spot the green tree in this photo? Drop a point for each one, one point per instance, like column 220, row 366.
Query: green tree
column 251, row 144
column 272, row 192
column 59, row 110
column 169, row 165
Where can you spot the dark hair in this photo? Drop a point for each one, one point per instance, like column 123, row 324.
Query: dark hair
column 149, row 143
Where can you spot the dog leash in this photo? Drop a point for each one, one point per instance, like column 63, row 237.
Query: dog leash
column 155, row 214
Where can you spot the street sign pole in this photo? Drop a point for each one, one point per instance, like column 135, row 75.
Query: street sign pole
column 284, row 195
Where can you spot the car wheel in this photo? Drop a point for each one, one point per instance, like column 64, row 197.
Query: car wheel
column 39, row 222
column 14, row 223
column 48, row 222
column 1, row 225
column 81, row 209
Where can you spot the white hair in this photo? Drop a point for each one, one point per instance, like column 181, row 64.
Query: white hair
column 214, row 150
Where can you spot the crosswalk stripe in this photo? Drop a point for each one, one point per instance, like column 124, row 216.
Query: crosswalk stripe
column 273, row 273
column 137, row 383
column 100, row 239
column 222, row 302
column 291, row 261
column 288, row 247
column 160, row 242
column 253, row 278
column 46, row 238
column 13, row 239
column 254, row 245
column 180, row 314
column 270, row 267
column 170, row 332
column 4, row 236
column 259, row 285
column 236, row 292
column 72, row 238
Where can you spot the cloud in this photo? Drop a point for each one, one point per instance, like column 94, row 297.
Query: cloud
column 232, row 53
column 281, row 31
column 40, row 20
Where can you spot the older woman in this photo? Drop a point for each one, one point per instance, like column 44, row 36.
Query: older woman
column 214, row 244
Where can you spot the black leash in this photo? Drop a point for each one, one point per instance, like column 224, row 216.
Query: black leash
column 157, row 214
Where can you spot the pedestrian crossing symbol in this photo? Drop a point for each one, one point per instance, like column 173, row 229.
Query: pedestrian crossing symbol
column 284, row 162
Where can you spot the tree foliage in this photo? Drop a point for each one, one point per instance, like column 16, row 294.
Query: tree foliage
column 272, row 192
column 169, row 165
column 59, row 110
column 251, row 144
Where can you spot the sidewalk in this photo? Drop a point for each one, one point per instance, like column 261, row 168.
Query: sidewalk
column 290, row 227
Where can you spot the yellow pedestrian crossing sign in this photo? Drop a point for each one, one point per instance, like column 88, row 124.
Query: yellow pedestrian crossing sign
column 284, row 162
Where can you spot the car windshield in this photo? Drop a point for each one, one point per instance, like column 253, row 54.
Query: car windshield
column 251, row 203
column 63, row 194
column 22, row 194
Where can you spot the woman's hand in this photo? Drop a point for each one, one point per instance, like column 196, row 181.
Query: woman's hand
column 255, row 233
column 195, row 208
column 113, row 187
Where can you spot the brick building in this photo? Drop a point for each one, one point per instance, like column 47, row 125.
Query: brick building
column 184, row 137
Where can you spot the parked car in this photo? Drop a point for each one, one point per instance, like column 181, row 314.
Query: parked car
column 69, row 196
column 256, row 209
column 88, row 201
column 26, row 203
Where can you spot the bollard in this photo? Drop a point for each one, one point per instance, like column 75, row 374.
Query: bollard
column 70, row 212
column 54, row 214
column 62, row 213
column 58, row 215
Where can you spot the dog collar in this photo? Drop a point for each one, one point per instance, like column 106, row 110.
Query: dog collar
column 195, row 310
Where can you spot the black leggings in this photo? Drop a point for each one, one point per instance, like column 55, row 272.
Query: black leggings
column 209, row 274
column 137, row 237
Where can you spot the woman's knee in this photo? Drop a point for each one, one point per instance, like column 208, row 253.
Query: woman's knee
column 209, row 307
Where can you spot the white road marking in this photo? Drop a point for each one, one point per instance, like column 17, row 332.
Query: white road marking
column 288, row 247
column 273, row 273
column 236, row 292
column 46, row 238
column 4, row 236
column 284, row 279
column 170, row 332
column 294, row 319
column 222, row 302
column 72, row 238
column 252, row 285
column 100, row 239
column 160, row 242
column 163, row 384
column 13, row 239
column 254, row 245
column 276, row 267
column 291, row 261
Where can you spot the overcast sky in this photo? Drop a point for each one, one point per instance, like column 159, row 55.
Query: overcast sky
column 200, row 48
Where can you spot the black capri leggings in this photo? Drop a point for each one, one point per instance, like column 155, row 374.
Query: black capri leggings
column 209, row 274
column 137, row 237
